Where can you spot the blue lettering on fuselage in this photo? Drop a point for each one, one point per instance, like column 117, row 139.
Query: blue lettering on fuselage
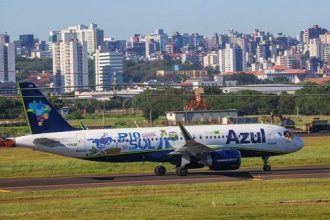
column 133, row 141
column 246, row 137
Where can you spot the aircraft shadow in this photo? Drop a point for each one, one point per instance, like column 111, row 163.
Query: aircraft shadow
column 237, row 174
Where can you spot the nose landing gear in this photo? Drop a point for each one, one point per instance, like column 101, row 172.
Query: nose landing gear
column 266, row 166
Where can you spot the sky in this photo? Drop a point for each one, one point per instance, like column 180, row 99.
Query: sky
column 122, row 18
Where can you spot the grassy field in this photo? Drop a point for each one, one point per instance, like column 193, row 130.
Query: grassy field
column 273, row 199
column 22, row 162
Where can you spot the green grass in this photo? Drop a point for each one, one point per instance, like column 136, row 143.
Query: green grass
column 22, row 162
column 272, row 199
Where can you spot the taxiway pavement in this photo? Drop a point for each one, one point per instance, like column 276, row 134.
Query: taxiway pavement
column 55, row 183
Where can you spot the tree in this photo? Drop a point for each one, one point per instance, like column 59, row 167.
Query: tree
column 244, row 79
column 160, row 102
column 56, row 102
column 10, row 108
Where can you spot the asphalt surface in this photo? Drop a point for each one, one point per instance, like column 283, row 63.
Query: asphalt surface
column 55, row 183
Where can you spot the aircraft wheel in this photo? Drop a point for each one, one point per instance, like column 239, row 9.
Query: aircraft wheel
column 181, row 171
column 160, row 170
column 267, row 168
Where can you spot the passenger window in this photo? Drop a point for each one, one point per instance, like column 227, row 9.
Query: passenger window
column 206, row 137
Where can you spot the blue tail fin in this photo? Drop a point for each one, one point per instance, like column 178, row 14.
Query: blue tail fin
column 41, row 115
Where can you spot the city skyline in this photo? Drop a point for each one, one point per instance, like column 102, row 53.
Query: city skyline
column 146, row 16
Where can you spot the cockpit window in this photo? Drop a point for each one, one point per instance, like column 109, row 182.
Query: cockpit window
column 288, row 134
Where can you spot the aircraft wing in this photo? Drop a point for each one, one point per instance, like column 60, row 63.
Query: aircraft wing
column 191, row 147
column 47, row 142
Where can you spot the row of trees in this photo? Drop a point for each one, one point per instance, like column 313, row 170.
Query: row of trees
column 309, row 101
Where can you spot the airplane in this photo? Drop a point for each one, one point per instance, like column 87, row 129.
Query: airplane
column 219, row 147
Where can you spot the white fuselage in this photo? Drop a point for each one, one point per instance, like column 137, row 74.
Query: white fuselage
column 88, row 144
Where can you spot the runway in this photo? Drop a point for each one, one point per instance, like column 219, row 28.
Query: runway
column 55, row 183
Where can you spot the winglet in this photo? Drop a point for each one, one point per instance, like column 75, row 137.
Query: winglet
column 185, row 133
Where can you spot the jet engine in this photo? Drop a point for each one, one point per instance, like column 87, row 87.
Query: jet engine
column 224, row 160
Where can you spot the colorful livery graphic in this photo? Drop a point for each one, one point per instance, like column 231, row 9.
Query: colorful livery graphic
column 40, row 110
column 219, row 147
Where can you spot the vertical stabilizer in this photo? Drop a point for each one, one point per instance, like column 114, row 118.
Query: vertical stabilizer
column 41, row 115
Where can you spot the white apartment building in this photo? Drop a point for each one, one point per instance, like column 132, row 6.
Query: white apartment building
column 92, row 35
column 316, row 48
column 231, row 59
column 325, row 38
column 70, row 65
column 211, row 60
column 108, row 69
column 7, row 62
column 155, row 42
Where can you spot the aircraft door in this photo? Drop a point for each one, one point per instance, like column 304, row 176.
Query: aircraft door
column 81, row 142
column 270, row 135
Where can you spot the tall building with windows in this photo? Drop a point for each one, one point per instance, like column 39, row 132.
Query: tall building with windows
column 314, row 32
column 211, row 60
column 108, row 69
column 92, row 35
column 53, row 37
column 70, row 64
column 7, row 59
column 155, row 42
column 25, row 44
column 316, row 48
column 231, row 59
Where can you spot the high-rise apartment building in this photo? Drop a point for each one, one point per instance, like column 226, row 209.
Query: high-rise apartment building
column 316, row 48
column 53, row 37
column 211, row 60
column 4, row 38
column 155, row 42
column 314, row 32
column 70, row 64
column 92, row 35
column 108, row 69
column 7, row 59
column 231, row 59
column 25, row 44
column 325, row 38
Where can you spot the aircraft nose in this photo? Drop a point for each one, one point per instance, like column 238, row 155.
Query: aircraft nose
column 298, row 143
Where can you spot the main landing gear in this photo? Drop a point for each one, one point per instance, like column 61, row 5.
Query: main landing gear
column 266, row 166
column 181, row 171
column 160, row 170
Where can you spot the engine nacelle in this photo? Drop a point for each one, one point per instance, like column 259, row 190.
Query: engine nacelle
column 224, row 160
